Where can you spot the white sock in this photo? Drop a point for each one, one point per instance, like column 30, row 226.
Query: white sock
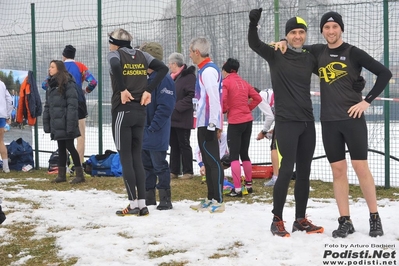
column 133, row 204
column 237, row 190
column 5, row 164
column 141, row 203
column 274, row 177
column 216, row 202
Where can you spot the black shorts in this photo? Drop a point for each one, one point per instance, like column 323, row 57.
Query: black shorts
column 352, row 132
column 273, row 145
column 82, row 110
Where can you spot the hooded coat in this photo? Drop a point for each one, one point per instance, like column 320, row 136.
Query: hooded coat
column 60, row 116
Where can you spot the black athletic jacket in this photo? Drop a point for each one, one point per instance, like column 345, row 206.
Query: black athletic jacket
column 290, row 74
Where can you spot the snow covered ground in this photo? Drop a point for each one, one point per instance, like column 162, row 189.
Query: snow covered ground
column 92, row 232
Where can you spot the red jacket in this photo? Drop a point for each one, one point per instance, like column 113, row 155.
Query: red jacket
column 237, row 103
column 29, row 104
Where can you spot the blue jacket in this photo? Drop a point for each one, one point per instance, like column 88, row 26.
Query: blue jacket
column 34, row 101
column 159, row 112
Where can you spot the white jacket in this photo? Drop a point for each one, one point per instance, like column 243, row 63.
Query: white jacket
column 267, row 107
column 5, row 102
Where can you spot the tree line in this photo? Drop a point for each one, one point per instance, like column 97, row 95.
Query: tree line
column 10, row 82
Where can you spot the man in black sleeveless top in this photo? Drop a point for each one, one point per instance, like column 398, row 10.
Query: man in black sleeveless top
column 130, row 95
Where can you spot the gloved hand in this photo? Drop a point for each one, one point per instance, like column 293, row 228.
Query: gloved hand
column 210, row 135
column 359, row 84
column 254, row 16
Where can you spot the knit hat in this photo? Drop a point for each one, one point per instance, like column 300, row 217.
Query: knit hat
column 231, row 65
column 154, row 49
column 69, row 52
column 331, row 17
column 295, row 23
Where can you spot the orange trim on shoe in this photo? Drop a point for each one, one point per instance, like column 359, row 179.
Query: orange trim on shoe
column 278, row 229
column 306, row 225
column 281, row 229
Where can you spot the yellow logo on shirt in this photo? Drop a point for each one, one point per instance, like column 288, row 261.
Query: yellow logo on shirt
column 333, row 72
column 134, row 70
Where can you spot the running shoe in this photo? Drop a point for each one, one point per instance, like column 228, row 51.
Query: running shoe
column 144, row 212
column 248, row 187
column 277, row 228
column 6, row 170
column 304, row 224
column 270, row 183
column 233, row 193
column 216, row 207
column 203, row 205
column 128, row 211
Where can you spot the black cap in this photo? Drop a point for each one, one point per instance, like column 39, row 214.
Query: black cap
column 295, row 23
column 331, row 17
column 69, row 51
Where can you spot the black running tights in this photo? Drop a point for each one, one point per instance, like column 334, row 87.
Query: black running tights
column 296, row 142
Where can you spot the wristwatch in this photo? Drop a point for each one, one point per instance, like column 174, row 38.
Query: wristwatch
column 211, row 127
column 264, row 132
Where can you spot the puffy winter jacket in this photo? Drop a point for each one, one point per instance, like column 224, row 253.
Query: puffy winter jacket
column 60, row 116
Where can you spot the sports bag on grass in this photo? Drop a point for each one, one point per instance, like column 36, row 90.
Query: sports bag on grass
column 101, row 163
column 262, row 171
column 20, row 153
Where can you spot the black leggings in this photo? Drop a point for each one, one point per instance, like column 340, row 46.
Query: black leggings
column 127, row 131
column 63, row 146
column 296, row 142
column 213, row 166
column 238, row 139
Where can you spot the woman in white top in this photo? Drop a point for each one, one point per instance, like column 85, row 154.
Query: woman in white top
column 5, row 118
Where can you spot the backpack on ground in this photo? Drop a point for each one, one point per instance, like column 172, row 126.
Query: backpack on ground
column 20, row 153
column 53, row 162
